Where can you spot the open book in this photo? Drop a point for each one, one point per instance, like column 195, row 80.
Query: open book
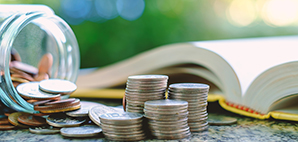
column 256, row 77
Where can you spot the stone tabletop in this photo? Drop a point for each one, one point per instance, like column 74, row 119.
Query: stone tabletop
column 245, row 130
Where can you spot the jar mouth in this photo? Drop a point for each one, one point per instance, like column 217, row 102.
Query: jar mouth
column 57, row 33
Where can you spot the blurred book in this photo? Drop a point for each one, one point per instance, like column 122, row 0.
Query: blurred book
column 256, row 77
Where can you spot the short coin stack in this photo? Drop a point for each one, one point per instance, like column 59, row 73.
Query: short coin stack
column 142, row 88
column 196, row 95
column 45, row 95
column 167, row 119
column 125, row 126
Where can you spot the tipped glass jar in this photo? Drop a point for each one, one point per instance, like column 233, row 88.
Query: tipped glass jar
column 31, row 31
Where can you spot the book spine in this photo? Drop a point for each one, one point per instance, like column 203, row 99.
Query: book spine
column 243, row 108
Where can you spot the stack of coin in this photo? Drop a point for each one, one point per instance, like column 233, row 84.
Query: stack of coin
column 124, row 126
column 141, row 88
column 196, row 95
column 167, row 119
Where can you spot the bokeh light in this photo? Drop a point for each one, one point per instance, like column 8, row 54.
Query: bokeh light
column 77, row 11
column 280, row 12
column 130, row 9
column 242, row 12
column 106, row 8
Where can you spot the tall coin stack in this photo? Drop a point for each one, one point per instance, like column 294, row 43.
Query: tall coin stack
column 122, row 126
column 167, row 119
column 196, row 95
column 142, row 88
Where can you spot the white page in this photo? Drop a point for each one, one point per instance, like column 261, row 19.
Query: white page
column 251, row 57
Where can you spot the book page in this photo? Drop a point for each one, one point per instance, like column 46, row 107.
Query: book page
column 250, row 57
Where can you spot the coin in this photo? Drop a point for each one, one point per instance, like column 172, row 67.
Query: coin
column 83, row 111
column 7, row 127
column 24, row 67
column 45, row 63
column 41, row 76
column 96, row 111
column 57, row 86
column 31, row 120
column 188, row 86
column 81, row 131
column 4, row 121
column 13, row 119
column 62, row 109
column 30, row 90
column 148, row 77
column 62, row 120
column 199, row 129
column 62, row 102
column 221, row 120
column 44, row 130
column 166, row 103
column 59, row 105
column 121, row 118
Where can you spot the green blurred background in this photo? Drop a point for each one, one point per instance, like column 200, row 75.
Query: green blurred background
column 113, row 30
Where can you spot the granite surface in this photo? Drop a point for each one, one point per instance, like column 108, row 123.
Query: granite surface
column 245, row 130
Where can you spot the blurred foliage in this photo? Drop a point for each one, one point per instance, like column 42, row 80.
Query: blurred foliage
column 171, row 21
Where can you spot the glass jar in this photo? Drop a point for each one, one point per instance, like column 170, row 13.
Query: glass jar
column 32, row 31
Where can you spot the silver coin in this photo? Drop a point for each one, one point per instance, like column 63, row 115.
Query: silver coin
column 45, row 130
column 197, row 98
column 125, row 136
column 141, row 131
column 167, row 103
column 168, row 128
column 145, row 90
column 147, row 77
column 199, row 129
column 146, row 82
column 134, row 108
column 126, row 139
column 158, row 122
column 194, row 108
column 166, row 109
column 121, row 117
column 147, row 86
column 146, row 93
column 197, row 111
column 197, row 125
column 144, row 99
column 96, row 111
column 57, row 86
column 221, row 120
column 187, row 94
column 160, row 115
column 189, row 86
column 147, row 111
column 123, row 130
column 166, row 118
column 172, row 136
column 83, row 111
column 81, row 131
column 134, row 111
column 31, row 90
column 197, row 119
column 173, row 131
column 121, row 127
column 61, row 120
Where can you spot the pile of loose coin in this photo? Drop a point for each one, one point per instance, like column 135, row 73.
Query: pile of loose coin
column 125, row 126
column 142, row 88
column 167, row 119
column 196, row 95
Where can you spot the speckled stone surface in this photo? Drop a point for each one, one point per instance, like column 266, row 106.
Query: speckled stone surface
column 245, row 130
